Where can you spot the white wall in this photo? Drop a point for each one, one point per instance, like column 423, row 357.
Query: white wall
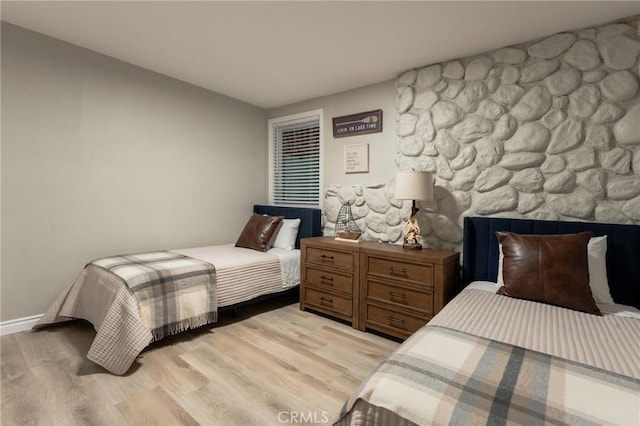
column 100, row 157
column 382, row 146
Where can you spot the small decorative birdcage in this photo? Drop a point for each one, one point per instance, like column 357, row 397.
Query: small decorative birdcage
column 346, row 226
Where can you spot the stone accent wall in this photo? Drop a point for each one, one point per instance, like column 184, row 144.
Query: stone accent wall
column 547, row 130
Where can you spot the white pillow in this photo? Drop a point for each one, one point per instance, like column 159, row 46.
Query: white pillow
column 287, row 234
column 597, row 264
column 597, row 254
column 619, row 310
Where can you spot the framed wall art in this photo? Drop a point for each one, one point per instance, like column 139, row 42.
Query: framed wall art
column 356, row 158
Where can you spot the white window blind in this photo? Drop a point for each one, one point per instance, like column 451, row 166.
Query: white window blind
column 295, row 160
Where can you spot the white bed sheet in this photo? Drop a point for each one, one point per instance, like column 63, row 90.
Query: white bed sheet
column 289, row 265
column 605, row 308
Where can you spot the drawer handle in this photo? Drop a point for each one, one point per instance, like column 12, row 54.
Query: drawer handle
column 393, row 295
column 325, row 257
column 324, row 300
column 323, row 278
column 395, row 320
column 395, row 270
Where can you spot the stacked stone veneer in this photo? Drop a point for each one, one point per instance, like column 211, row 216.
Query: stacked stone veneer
column 546, row 130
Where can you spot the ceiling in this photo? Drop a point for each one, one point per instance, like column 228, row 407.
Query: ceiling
column 271, row 54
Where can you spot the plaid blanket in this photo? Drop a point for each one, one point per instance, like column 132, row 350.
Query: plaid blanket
column 482, row 381
column 174, row 292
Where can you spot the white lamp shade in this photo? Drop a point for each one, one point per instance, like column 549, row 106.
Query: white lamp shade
column 413, row 185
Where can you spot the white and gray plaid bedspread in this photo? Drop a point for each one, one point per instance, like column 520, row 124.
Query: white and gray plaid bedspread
column 174, row 292
column 492, row 360
column 132, row 305
column 485, row 382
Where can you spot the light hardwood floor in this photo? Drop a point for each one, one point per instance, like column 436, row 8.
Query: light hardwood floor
column 271, row 365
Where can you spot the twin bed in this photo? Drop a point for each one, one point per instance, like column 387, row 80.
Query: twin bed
column 134, row 300
column 491, row 359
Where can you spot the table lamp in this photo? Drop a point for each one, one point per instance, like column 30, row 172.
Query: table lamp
column 413, row 185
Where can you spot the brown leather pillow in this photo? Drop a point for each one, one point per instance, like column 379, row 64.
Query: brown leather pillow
column 550, row 269
column 258, row 231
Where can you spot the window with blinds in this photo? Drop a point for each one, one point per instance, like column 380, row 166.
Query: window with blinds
column 295, row 160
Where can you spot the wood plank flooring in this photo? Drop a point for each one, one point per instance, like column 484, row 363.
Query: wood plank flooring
column 270, row 365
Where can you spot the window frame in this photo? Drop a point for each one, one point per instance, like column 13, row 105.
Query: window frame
column 294, row 119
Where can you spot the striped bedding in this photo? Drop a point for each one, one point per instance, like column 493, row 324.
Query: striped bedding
column 122, row 332
column 244, row 276
column 489, row 359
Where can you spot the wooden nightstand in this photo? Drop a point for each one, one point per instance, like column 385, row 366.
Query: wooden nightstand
column 401, row 290
column 329, row 277
column 376, row 286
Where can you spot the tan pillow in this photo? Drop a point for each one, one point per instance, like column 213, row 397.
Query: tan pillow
column 258, row 231
column 550, row 269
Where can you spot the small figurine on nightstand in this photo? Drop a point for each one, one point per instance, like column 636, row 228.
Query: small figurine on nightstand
column 413, row 231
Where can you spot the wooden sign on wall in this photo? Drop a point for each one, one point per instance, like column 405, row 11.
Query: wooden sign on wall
column 357, row 124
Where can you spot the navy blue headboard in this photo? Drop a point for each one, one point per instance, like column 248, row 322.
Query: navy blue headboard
column 310, row 219
column 480, row 250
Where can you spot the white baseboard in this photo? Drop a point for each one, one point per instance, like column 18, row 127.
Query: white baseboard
column 18, row 325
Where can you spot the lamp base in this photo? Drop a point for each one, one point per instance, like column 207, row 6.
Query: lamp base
column 412, row 246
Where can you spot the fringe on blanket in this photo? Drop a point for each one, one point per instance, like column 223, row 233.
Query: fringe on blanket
column 186, row 324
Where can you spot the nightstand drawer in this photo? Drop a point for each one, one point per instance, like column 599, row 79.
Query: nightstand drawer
column 329, row 301
column 328, row 257
column 397, row 269
column 330, row 280
column 394, row 320
column 401, row 296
